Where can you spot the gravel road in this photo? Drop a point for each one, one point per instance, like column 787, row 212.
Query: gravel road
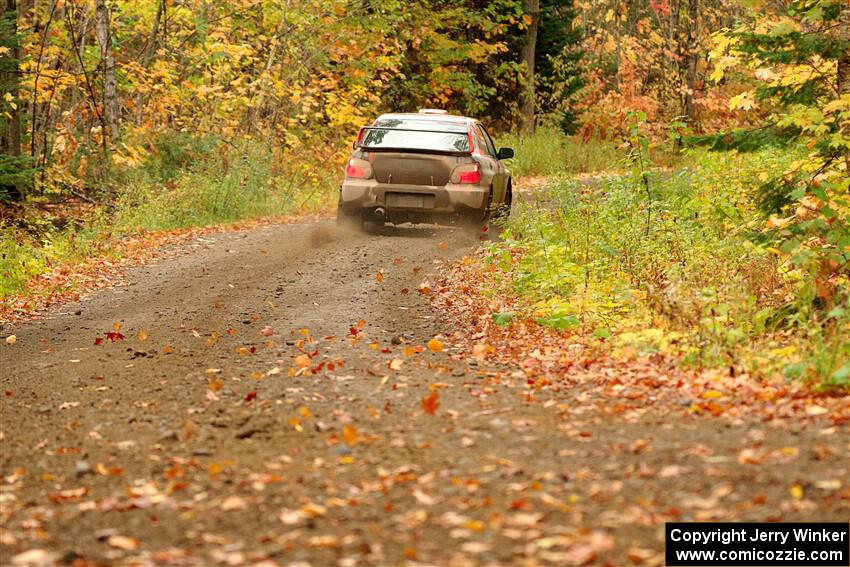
column 270, row 397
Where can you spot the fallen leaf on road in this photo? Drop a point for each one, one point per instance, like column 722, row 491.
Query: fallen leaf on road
column 123, row 542
column 431, row 403
column 816, row 410
column 350, row 435
column 233, row 503
column 435, row 345
column 10, row 340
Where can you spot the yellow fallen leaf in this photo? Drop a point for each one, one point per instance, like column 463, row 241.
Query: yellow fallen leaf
column 305, row 412
column 435, row 345
column 379, row 275
column 796, row 491
column 11, row 339
column 712, row 395
column 816, row 410
column 302, row 360
column 123, row 542
column 143, row 335
column 296, row 424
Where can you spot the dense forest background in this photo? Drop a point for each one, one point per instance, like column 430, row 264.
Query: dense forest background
column 125, row 115
column 93, row 84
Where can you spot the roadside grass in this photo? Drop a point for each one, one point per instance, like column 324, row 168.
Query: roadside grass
column 549, row 152
column 683, row 268
column 184, row 183
column 248, row 182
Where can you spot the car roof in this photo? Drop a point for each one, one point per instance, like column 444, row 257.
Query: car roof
column 438, row 118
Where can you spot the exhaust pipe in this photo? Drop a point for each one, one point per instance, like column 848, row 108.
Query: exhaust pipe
column 380, row 214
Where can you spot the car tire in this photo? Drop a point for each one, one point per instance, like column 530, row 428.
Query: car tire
column 503, row 210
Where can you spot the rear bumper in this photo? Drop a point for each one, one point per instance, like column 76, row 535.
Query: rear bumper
column 368, row 194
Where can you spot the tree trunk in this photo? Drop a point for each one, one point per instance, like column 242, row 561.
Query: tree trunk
column 844, row 68
column 153, row 41
column 691, row 58
column 107, row 61
column 529, row 47
column 10, row 74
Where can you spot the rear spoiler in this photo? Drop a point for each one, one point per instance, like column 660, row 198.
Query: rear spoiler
column 365, row 129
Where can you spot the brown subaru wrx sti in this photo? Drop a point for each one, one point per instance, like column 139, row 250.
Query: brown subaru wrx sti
column 424, row 167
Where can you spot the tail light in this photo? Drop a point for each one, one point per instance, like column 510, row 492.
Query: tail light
column 358, row 169
column 467, row 173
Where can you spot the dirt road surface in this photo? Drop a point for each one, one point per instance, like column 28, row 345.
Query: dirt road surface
column 270, row 397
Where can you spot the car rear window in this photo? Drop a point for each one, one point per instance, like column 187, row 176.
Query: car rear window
column 422, row 135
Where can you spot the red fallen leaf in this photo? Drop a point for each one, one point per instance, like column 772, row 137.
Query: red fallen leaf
column 485, row 228
column 397, row 261
column 431, row 403
column 8, row 393
column 251, row 396
column 115, row 336
column 317, row 368
column 386, row 350
column 98, row 340
column 253, row 349
column 331, row 366
column 518, row 504
column 352, row 331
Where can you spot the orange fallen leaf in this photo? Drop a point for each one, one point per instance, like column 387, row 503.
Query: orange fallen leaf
column 350, row 435
column 431, row 403
column 435, row 345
